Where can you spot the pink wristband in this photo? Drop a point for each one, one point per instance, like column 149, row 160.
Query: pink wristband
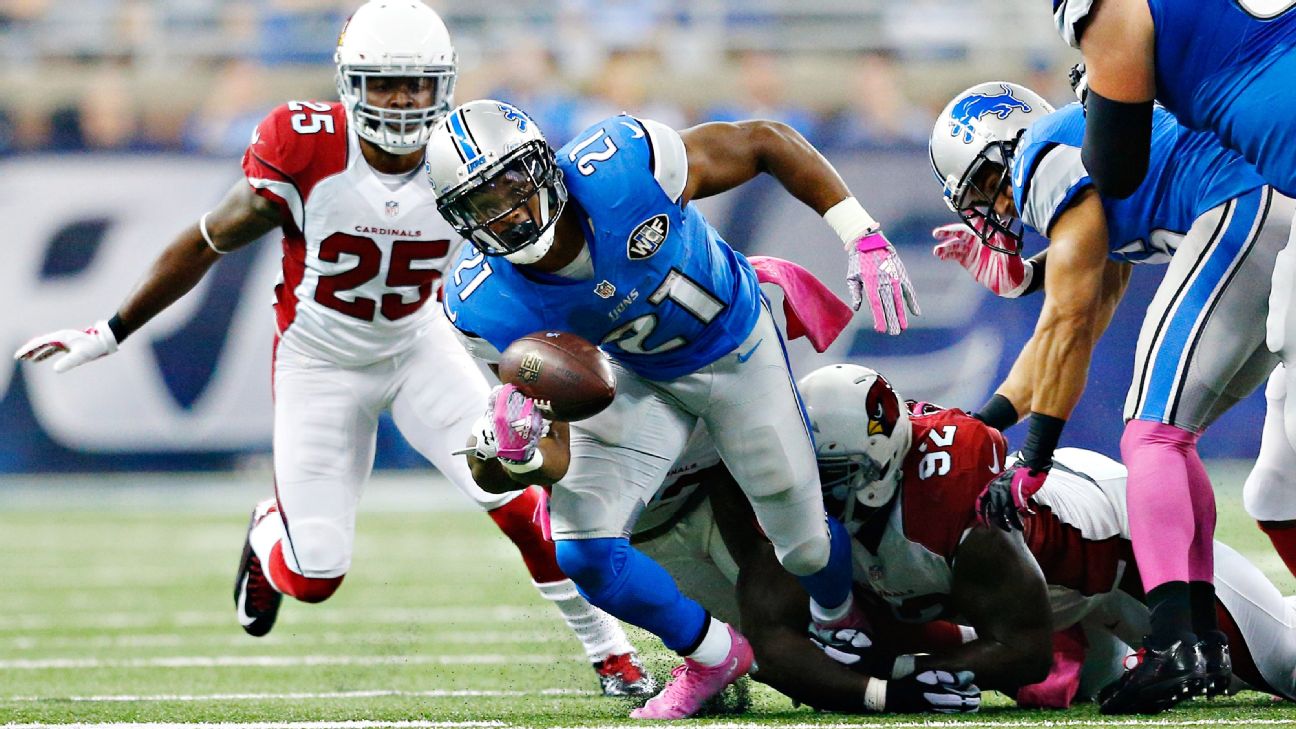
column 871, row 242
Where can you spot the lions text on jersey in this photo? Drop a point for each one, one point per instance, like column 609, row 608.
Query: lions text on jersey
column 668, row 295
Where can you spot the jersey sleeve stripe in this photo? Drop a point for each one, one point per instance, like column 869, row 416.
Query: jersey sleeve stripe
column 668, row 157
column 1058, row 177
column 285, row 191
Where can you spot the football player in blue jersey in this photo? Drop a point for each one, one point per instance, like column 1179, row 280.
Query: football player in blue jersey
column 1203, row 209
column 1220, row 65
column 601, row 240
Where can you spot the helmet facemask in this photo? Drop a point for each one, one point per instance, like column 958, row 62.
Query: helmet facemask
column 974, row 196
column 396, row 131
column 509, row 207
column 855, row 480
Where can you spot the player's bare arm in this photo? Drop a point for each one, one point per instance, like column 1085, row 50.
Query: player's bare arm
column 999, row 590
column 1070, row 323
column 494, row 478
column 240, row 218
column 1119, row 51
column 774, row 615
column 722, row 156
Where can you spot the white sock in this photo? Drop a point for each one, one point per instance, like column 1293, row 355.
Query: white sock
column 265, row 535
column 599, row 632
column 828, row 616
column 715, row 645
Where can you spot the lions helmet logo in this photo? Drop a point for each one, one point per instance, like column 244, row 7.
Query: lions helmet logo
column 977, row 106
column 883, row 408
column 647, row 237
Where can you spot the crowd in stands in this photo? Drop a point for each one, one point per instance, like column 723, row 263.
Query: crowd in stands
column 196, row 75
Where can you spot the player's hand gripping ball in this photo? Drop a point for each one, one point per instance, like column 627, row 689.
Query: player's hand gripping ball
column 569, row 378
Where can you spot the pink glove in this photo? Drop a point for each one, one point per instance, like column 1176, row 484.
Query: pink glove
column 876, row 272
column 518, row 425
column 1005, row 274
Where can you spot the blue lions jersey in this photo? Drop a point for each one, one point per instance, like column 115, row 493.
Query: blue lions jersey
column 1227, row 66
column 1189, row 173
column 668, row 295
column 1230, row 66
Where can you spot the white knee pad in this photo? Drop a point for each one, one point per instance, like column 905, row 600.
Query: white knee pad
column 797, row 530
column 317, row 548
column 1270, row 490
column 1279, row 325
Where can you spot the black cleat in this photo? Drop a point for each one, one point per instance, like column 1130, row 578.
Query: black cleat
column 1156, row 680
column 1218, row 674
column 255, row 601
column 624, row 675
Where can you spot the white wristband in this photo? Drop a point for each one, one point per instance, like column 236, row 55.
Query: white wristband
column 202, row 228
column 850, row 220
column 531, row 464
column 875, row 695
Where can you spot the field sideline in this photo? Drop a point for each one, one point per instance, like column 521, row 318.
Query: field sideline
column 117, row 611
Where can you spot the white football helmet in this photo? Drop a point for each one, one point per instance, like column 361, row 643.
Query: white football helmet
column 862, row 435
column 974, row 137
column 496, row 180
column 401, row 38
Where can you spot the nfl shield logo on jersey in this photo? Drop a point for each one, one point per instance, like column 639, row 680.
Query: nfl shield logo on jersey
column 875, row 572
column 393, row 208
column 605, row 289
column 647, row 237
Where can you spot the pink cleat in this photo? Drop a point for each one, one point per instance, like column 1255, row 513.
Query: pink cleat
column 692, row 683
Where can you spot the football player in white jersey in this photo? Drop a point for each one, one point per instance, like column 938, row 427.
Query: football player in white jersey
column 363, row 249
column 927, row 539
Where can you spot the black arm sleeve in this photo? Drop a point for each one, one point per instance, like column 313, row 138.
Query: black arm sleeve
column 1117, row 144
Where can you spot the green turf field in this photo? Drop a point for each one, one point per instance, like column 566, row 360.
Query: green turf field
column 115, row 607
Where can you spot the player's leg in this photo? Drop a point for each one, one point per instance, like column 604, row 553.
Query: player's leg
column 441, row 392
column 1270, row 491
column 618, row 460
column 753, row 411
column 299, row 544
column 1259, row 622
column 692, row 551
column 1199, row 335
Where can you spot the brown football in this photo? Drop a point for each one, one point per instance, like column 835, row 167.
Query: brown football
column 569, row 378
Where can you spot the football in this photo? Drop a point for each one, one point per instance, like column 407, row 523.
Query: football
column 569, row 378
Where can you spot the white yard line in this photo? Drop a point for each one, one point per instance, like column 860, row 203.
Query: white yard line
column 304, row 696
column 36, row 664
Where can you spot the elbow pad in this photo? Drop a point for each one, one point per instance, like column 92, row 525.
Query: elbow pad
column 1117, row 143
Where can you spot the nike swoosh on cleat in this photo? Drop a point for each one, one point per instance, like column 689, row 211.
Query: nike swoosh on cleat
column 243, row 618
column 743, row 357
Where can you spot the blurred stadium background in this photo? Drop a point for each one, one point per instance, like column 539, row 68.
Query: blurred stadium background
column 123, row 120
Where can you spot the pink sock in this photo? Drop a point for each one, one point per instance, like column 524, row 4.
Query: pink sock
column 1160, row 499
column 1201, row 557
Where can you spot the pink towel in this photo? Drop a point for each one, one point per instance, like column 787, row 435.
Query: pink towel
column 1059, row 688
column 812, row 310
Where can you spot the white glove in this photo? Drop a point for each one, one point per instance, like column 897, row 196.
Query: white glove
column 72, row 348
column 485, row 448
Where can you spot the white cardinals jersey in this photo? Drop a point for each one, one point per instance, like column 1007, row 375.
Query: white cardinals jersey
column 362, row 251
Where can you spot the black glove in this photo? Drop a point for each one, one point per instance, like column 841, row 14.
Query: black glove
column 1006, row 497
column 853, row 649
column 937, row 691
